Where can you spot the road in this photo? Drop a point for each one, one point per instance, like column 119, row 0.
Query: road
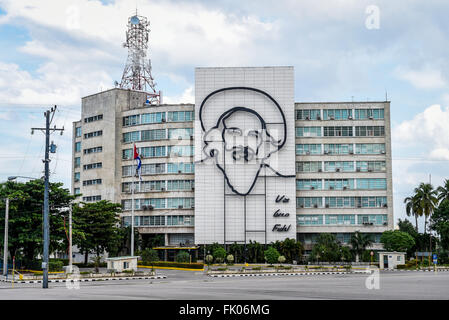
column 188, row 285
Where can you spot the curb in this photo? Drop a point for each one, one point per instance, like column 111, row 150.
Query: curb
column 85, row 280
column 443, row 270
column 273, row 274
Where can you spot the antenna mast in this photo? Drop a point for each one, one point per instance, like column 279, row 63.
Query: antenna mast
column 137, row 73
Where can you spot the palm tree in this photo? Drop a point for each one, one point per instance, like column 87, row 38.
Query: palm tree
column 427, row 200
column 443, row 192
column 359, row 242
column 413, row 208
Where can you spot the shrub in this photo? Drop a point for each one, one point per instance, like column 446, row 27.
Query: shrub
column 271, row 255
column 222, row 269
column 401, row 266
column 230, row 258
column 219, row 254
column 55, row 265
column 169, row 264
column 281, row 259
column 257, row 268
column 209, row 259
column 182, row 257
column 149, row 256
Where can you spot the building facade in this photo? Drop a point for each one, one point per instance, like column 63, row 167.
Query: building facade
column 332, row 161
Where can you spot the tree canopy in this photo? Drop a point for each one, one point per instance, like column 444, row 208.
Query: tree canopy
column 397, row 240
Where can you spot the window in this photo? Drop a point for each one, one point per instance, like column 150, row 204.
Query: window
column 372, row 184
column 181, row 151
column 128, row 154
column 180, row 203
column 146, row 152
column 91, row 198
column 180, row 133
column 309, row 220
column 91, row 182
column 147, row 169
column 371, row 202
column 94, row 118
column 77, row 191
column 131, row 120
column 131, row 136
column 77, row 162
column 306, row 149
column 308, row 166
column 337, row 114
column 308, row 131
column 363, row 114
column 180, row 185
column 152, row 135
column 180, row 220
column 340, row 202
column 371, row 166
column 157, row 117
column 340, row 219
column 180, row 116
column 375, row 219
column 334, row 166
column 308, row 114
column 93, row 150
column 338, row 184
column 93, row 134
column 78, row 132
column 76, row 177
column 77, row 146
column 337, row 131
column 370, row 148
column 92, row 166
column 309, row 202
column 338, row 149
column 180, row 167
column 370, row 131
column 308, row 184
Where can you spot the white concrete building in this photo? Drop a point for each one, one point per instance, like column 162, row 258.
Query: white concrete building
column 331, row 160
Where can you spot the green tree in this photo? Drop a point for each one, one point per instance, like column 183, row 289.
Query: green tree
column 182, row 256
column 254, row 252
column 237, row 251
column 359, row 242
column 98, row 224
column 271, row 255
column 443, row 191
column 413, row 208
column 25, row 240
column 291, row 249
column 326, row 248
column 219, row 254
column 406, row 226
column 440, row 223
column 427, row 200
column 397, row 240
column 149, row 256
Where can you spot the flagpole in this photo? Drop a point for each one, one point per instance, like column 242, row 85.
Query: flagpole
column 132, row 207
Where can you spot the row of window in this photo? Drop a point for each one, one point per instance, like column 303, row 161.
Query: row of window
column 93, row 134
column 158, row 168
column 93, row 118
column 340, row 114
column 91, row 182
column 360, row 131
column 146, row 221
column 310, row 238
column 342, row 184
column 159, row 203
column 342, row 219
column 96, row 165
column 341, row 202
column 158, row 134
column 158, row 117
column 360, row 148
column 160, row 151
column 343, row 166
column 160, row 185
column 93, row 150
column 90, row 198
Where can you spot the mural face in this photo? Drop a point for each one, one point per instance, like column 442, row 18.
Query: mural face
column 239, row 137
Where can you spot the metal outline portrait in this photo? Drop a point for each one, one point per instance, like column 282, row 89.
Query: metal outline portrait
column 278, row 144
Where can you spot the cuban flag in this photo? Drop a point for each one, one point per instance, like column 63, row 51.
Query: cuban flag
column 139, row 163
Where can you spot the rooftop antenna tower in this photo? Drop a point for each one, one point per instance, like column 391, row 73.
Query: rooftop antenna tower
column 137, row 73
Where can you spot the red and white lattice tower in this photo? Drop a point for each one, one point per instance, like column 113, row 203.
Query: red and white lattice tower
column 137, row 73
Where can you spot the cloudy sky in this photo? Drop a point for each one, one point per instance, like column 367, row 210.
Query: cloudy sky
column 55, row 52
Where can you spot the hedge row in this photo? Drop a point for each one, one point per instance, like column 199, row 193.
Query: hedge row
column 176, row 265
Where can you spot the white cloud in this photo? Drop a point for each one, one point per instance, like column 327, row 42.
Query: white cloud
column 426, row 78
column 188, row 96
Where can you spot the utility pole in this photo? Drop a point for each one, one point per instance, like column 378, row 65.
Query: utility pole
column 5, row 247
column 46, row 161
column 70, row 240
